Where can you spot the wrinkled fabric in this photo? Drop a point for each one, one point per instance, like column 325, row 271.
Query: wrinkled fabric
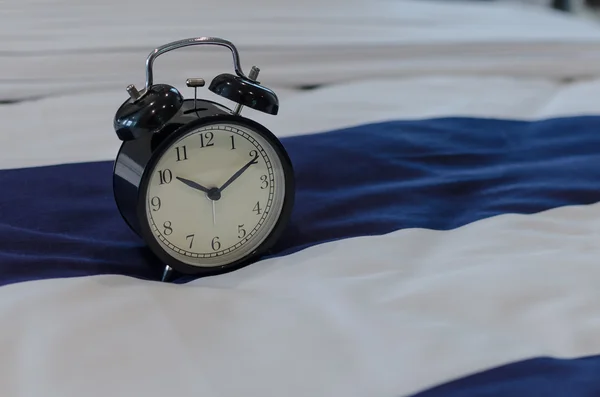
column 61, row 221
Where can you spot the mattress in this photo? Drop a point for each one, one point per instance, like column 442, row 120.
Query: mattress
column 444, row 236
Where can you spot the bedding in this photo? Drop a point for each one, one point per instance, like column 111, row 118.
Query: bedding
column 444, row 240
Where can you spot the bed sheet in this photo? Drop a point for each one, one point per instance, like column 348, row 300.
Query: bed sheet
column 468, row 268
column 55, row 47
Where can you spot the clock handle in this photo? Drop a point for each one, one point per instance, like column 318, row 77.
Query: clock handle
column 190, row 42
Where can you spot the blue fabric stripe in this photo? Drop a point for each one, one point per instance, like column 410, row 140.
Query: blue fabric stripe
column 61, row 221
column 542, row 376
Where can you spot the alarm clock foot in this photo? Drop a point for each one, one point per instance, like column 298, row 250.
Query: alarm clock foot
column 166, row 274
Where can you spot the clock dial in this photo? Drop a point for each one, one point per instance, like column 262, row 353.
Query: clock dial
column 215, row 194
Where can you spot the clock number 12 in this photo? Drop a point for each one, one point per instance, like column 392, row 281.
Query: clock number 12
column 206, row 139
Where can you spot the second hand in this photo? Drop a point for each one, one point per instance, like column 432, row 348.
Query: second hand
column 214, row 214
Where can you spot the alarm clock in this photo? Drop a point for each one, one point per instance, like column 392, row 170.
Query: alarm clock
column 207, row 190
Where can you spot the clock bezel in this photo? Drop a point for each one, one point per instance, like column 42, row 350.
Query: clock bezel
column 268, row 241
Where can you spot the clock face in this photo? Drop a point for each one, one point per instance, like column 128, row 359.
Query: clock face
column 215, row 194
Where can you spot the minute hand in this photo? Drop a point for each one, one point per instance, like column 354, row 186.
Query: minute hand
column 237, row 174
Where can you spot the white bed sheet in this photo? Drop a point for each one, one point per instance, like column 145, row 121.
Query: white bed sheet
column 337, row 319
column 78, row 127
column 66, row 46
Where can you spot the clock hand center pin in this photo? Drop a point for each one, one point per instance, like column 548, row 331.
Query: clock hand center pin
column 214, row 194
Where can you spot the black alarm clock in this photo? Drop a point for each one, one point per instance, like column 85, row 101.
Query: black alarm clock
column 208, row 190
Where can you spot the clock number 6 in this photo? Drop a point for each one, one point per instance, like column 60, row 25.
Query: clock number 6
column 215, row 244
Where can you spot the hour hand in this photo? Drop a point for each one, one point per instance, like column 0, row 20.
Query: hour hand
column 193, row 184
